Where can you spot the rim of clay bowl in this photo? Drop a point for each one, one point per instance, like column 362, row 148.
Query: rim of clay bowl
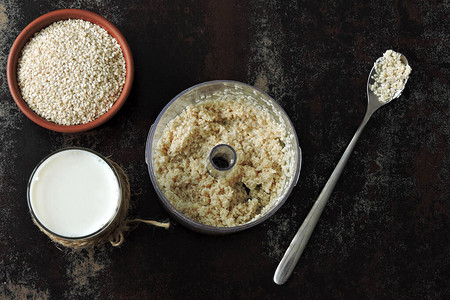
column 44, row 21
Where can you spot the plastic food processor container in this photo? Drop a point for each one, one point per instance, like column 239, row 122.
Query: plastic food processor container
column 196, row 95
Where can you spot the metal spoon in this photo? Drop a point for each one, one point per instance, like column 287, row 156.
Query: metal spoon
column 301, row 238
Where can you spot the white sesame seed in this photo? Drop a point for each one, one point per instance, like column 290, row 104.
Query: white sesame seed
column 390, row 76
column 71, row 72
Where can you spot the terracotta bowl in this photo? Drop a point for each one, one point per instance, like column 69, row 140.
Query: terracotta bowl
column 44, row 21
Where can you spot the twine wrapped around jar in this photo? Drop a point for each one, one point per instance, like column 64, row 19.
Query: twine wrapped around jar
column 114, row 233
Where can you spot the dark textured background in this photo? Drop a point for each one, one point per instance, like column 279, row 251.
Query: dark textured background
column 385, row 231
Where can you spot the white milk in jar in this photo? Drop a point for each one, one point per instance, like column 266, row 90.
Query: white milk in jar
column 74, row 193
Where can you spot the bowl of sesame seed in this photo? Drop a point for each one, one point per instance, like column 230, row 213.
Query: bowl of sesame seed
column 70, row 70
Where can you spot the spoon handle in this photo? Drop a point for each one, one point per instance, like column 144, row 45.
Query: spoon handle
column 301, row 238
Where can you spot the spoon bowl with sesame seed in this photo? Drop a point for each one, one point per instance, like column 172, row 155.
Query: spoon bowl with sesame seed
column 386, row 82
